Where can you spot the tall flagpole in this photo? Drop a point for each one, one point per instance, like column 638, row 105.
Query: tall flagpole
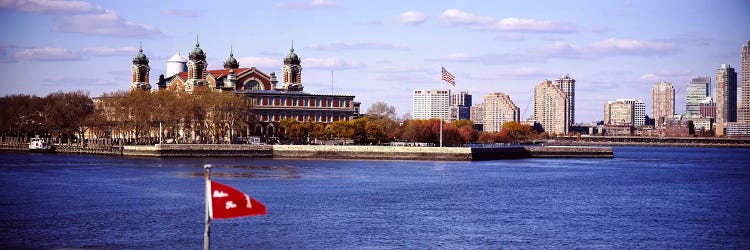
column 441, row 115
column 207, row 232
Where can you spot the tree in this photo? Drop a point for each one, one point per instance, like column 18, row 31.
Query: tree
column 382, row 109
column 518, row 132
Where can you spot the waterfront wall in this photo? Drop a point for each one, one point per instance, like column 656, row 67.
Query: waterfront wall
column 338, row 152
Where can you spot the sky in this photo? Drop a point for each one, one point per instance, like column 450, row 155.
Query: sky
column 383, row 50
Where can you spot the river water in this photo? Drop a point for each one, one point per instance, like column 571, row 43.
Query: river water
column 643, row 198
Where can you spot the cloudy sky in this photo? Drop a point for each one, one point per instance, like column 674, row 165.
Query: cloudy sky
column 382, row 50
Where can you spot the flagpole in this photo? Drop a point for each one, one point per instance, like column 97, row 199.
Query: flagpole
column 207, row 232
column 441, row 115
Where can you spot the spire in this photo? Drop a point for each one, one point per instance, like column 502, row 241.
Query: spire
column 231, row 51
column 292, row 49
column 140, row 46
column 197, row 44
column 231, row 62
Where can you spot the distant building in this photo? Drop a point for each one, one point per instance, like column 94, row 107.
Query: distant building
column 738, row 129
column 696, row 92
column 550, row 108
column 639, row 111
column 726, row 97
column 477, row 113
column 618, row 113
column 460, row 106
column 743, row 112
column 499, row 109
column 662, row 101
column 708, row 108
column 431, row 103
column 140, row 72
column 568, row 86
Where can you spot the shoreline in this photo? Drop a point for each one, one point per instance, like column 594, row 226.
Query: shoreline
column 343, row 152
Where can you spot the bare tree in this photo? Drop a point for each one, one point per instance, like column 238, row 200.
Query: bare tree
column 382, row 109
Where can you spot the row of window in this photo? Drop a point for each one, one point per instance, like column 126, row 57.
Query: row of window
column 302, row 118
column 302, row 102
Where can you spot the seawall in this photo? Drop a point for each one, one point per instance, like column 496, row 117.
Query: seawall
column 365, row 152
column 338, row 152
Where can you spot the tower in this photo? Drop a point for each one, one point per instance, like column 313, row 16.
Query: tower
column 176, row 64
column 291, row 72
column 743, row 112
column 550, row 107
column 568, row 86
column 140, row 70
column 696, row 92
column 726, row 97
column 196, row 68
column 662, row 102
column 231, row 62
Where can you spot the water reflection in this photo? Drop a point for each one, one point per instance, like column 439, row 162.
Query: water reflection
column 249, row 172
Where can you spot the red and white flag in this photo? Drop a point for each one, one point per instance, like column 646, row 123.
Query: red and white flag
column 448, row 77
column 228, row 202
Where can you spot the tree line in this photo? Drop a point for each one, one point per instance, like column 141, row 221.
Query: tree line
column 143, row 117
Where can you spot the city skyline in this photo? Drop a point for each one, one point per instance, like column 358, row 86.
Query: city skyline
column 381, row 51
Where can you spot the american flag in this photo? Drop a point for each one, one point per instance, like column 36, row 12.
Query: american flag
column 448, row 77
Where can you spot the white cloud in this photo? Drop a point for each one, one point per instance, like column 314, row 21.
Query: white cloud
column 399, row 69
column 50, row 6
column 667, row 76
column 181, row 13
column 260, row 62
column 633, row 47
column 412, row 18
column 106, row 51
column 509, row 24
column 330, row 63
column 47, row 54
column 312, row 4
column 339, row 45
column 107, row 23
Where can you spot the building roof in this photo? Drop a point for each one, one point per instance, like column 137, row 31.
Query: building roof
column 177, row 57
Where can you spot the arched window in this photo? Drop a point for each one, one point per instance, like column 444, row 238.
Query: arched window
column 253, row 85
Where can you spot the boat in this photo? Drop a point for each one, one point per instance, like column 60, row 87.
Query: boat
column 40, row 145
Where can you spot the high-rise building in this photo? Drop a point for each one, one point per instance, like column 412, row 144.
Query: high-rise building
column 639, row 111
column 461, row 106
column 618, row 113
column 697, row 91
column 568, row 86
column 431, row 103
column 550, row 107
column 499, row 109
column 477, row 113
column 708, row 108
column 743, row 112
column 662, row 106
column 726, row 97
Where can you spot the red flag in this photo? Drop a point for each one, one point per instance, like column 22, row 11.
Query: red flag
column 448, row 77
column 227, row 202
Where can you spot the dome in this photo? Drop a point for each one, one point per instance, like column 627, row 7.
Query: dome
column 177, row 57
column 291, row 58
column 140, row 58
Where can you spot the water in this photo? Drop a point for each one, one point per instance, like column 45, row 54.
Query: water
column 644, row 198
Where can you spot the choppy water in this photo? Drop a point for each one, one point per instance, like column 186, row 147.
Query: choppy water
column 644, row 198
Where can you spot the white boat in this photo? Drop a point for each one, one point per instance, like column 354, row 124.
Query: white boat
column 40, row 145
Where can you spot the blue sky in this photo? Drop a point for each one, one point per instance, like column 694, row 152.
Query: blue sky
column 382, row 50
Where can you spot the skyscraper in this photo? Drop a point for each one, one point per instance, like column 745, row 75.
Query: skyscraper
column 726, row 97
column 431, row 103
column 477, row 113
column 568, row 86
column 499, row 109
column 461, row 106
column 662, row 106
column 639, row 111
column 743, row 112
column 697, row 91
column 618, row 113
column 550, row 107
